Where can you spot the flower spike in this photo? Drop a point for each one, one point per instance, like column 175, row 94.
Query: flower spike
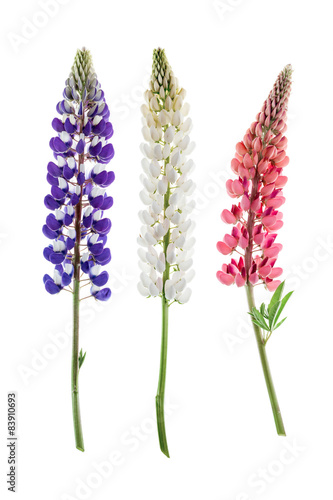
column 257, row 192
column 165, row 247
column 78, row 177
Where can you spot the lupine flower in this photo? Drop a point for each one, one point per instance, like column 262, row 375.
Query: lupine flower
column 255, row 215
column 165, row 246
column 79, row 176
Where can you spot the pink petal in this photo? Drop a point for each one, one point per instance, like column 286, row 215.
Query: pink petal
column 240, row 281
column 281, row 181
column 280, row 156
column 269, row 152
column 283, row 163
column 276, row 202
column 247, row 161
column 269, row 220
column 257, row 144
column 272, row 285
column 271, row 177
column 262, row 167
column 258, row 238
column 241, row 149
column 245, row 202
column 276, row 272
column 237, row 187
column 230, row 191
column 267, row 190
column 255, row 205
column 243, row 172
column 278, row 224
column 230, row 241
column 223, row 248
column 282, row 143
column 235, row 165
column 265, row 271
column 243, row 242
column 253, row 278
column 228, row 217
column 272, row 251
column 225, row 279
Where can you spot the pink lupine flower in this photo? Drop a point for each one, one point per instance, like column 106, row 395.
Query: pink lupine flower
column 255, row 215
column 259, row 162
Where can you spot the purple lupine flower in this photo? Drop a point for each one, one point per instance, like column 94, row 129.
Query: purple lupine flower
column 79, row 176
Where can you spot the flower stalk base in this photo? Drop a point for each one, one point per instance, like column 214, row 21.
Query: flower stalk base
column 75, row 369
column 161, row 381
column 265, row 366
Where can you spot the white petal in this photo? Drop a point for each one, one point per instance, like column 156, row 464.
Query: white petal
column 169, row 134
column 145, row 280
column 153, row 290
column 154, row 168
column 162, row 185
column 146, row 133
column 144, row 197
column 177, row 118
column 184, row 266
column 170, row 293
column 185, row 296
column 62, row 183
column 144, row 291
column 95, row 270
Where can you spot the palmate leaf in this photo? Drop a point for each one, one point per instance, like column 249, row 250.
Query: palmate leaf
column 259, row 319
column 272, row 313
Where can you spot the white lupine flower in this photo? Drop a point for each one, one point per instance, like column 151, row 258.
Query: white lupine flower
column 165, row 256
column 166, row 185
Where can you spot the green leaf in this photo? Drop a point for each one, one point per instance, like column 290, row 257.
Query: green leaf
column 277, row 326
column 272, row 313
column 81, row 358
column 283, row 303
column 260, row 319
column 262, row 309
column 276, row 296
column 256, row 323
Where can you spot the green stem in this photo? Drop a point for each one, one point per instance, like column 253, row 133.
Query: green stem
column 75, row 369
column 161, row 381
column 159, row 400
column 76, row 314
column 265, row 366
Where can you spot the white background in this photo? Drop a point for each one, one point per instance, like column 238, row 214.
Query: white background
column 220, row 430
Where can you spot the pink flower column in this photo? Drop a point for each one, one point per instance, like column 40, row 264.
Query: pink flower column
column 259, row 164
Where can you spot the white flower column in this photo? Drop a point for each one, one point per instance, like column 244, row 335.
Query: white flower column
column 166, row 245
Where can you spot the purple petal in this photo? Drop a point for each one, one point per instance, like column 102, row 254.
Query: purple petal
column 53, row 169
column 51, row 287
column 101, row 279
column 103, row 294
column 80, row 146
column 49, row 233
column 104, row 258
column 107, row 203
column 102, row 226
column 51, row 203
column 57, row 125
column 109, row 180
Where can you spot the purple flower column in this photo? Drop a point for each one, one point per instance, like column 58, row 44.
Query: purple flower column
column 78, row 180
